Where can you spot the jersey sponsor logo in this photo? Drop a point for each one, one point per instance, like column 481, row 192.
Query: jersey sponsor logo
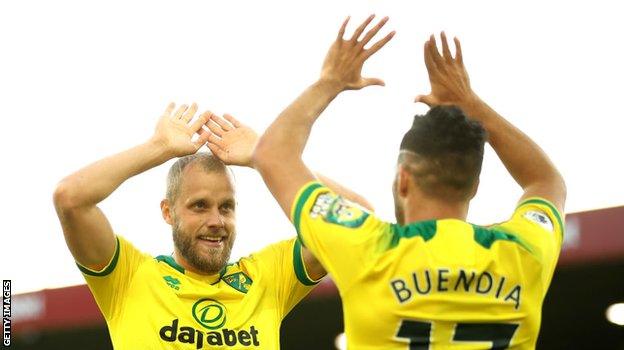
column 446, row 280
column 209, row 313
column 337, row 210
column 239, row 281
column 172, row 282
column 541, row 219
column 188, row 335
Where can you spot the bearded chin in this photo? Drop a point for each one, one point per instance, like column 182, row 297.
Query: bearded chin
column 209, row 264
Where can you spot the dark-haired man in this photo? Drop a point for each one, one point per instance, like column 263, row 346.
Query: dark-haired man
column 433, row 279
column 192, row 299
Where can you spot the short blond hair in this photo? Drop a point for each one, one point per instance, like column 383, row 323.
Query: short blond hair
column 209, row 163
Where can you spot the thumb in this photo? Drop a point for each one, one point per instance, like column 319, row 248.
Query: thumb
column 372, row 81
column 426, row 99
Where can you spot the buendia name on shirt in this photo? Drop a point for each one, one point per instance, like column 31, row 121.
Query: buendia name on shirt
column 444, row 280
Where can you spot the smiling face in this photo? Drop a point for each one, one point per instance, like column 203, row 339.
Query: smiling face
column 202, row 217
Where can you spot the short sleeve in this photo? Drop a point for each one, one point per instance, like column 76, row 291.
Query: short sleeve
column 342, row 235
column 282, row 264
column 537, row 222
column 109, row 285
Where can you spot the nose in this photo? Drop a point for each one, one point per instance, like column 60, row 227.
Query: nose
column 214, row 219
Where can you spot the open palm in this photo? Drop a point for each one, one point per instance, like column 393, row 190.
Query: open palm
column 230, row 140
column 174, row 131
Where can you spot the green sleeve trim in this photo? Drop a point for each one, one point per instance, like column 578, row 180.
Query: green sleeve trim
column 485, row 237
column 108, row 269
column 550, row 206
column 300, row 202
column 300, row 271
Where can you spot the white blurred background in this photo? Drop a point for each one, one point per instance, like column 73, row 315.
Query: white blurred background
column 80, row 80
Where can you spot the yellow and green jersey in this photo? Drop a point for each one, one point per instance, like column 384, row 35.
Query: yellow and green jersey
column 437, row 284
column 153, row 303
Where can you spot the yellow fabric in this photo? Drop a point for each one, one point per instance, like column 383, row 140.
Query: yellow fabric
column 149, row 304
column 439, row 284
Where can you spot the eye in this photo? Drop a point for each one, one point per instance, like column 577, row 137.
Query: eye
column 227, row 207
column 199, row 205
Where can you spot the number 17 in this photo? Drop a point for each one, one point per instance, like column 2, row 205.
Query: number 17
column 499, row 334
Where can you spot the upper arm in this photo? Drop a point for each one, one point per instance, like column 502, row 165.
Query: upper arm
column 340, row 234
column 284, row 178
column 553, row 191
column 110, row 283
column 283, row 262
column 345, row 192
column 88, row 233
column 539, row 223
column 312, row 264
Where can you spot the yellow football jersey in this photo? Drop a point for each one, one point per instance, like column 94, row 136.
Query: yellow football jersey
column 437, row 284
column 153, row 303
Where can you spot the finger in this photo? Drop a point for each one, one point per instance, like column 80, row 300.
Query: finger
column 203, row 137
column 429, row 62
column 445, row 47
column 426, row 99
column 361, row 28
column 179, row 112
column 373, row 81
column 196, row 127
column 343, row 28
column 371, row 33
column 232, row 120
column 458, row 52
column 212, row 138
column 378, row 45
column 222, row 123
column 216, row 150
column 169, row 109
column 188, row 115
column 435, row 54
column 214, row 128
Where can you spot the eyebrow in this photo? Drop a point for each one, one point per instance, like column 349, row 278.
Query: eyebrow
column 229, row 201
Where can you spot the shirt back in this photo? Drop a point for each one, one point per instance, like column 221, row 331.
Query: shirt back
column 434, row 284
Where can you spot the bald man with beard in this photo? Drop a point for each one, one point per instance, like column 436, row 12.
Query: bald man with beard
column 193, row 298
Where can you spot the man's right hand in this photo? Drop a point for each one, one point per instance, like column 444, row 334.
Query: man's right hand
column 174, row 131
column 88, row 232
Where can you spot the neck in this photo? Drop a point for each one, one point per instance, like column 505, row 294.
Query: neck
column 187, row 266
column 418, row 209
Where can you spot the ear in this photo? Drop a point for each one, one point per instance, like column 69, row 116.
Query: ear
column 475, row 187
column 404, row 179
column 165, row 210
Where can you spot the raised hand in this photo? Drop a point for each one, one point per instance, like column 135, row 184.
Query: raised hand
column 344, row 61
column 448, row 77
column 230, row 140
column 175, row 132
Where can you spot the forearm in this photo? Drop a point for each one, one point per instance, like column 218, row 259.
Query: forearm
column 93, row 183
column 287, row 136
column 524, row 159
column 277, row 155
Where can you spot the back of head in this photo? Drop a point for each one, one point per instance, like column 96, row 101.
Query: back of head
column 207, row 161
column 443, row 151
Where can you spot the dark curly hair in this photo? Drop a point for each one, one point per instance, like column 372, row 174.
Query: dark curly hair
column 443, row 151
